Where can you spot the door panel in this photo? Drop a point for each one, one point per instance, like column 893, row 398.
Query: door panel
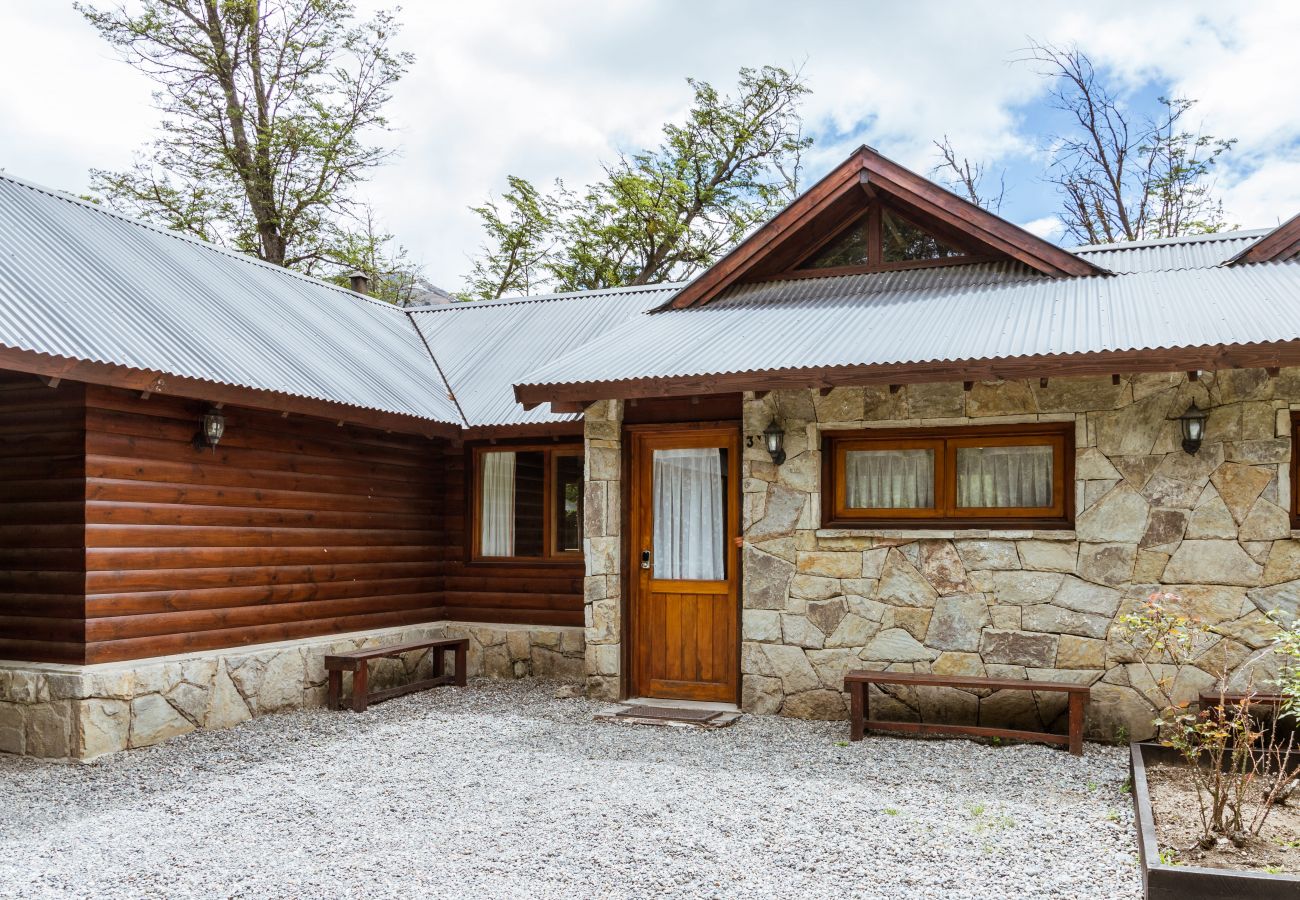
column 685, row 516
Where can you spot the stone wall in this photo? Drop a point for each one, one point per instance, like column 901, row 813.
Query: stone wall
column 602, row 525
column 1212, row 527
column 81, row 712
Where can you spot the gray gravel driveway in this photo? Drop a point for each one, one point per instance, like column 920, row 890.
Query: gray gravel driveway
column 502, row 790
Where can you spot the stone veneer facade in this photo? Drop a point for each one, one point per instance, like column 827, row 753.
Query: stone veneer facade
column 602, row 547
column 81, row 712
column 1213, row 528
column 817, row 602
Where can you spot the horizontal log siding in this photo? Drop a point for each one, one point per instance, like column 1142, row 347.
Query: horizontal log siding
column 42, row 480
column 536, row 594
column 291, row 528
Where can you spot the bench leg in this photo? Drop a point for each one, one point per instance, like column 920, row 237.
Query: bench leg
column 1076, row 724
column 334, row 690
column 360, row 686
column 857, row 709
column 462, row 666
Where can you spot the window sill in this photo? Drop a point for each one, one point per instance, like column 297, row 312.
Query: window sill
column 993, row 533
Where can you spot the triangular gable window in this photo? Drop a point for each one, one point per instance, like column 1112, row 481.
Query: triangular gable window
column 901, row 241
column 848, row 249
column 879, row 238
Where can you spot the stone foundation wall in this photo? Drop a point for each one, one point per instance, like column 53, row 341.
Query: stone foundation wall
column 602, row 526
column 1212, row 527
column 81, row 712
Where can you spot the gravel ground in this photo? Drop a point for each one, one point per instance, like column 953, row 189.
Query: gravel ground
column 500, row 789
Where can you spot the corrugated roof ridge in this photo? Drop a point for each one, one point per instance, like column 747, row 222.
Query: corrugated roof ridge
column 236, row 255
column 542, row 298
column 1239, row 234
column 451, row 393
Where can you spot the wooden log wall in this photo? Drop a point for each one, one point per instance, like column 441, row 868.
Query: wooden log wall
column 544, row 593
column 122, row 540
column 42, row 481
column 289, row 528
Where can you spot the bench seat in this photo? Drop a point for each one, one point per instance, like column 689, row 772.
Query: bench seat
column 856, row 683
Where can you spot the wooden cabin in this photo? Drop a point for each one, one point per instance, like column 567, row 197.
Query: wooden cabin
column 888, row 430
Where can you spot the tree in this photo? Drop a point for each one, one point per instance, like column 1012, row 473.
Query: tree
column 520, row 237
column 1123, row 178
column 368, row 249
column 267, row 109
column 966, row 178
column 656, row 215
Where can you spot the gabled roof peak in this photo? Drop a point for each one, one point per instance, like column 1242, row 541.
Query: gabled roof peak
column 867, row 177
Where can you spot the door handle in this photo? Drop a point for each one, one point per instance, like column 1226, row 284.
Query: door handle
column 645, row 559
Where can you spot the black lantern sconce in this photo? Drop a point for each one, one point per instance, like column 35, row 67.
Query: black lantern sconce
column 1193, row 426
column 211, row 429
column 774, row 439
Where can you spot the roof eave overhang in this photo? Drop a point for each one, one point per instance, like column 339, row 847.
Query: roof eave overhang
column 163, row 383
column 1282, row 243
column 866, row 170
column 573, row 397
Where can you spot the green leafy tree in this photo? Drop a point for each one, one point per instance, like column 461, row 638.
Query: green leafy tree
column 268, row 111
column 656, row 215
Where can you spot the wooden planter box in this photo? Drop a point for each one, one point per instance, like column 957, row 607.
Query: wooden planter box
column 1164, row 882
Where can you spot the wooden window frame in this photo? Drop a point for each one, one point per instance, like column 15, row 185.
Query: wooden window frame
column 876, row 248
column 1295, row 470
column 550, row 453
column 946, row 442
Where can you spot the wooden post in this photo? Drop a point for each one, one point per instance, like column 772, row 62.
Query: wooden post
column 856, row 691
column 461, row 663
column 332, row 700
column 1076, row 723
column 360, row 685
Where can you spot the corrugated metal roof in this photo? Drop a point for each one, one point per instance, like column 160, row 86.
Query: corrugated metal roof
column 850, row 320
column 81, row 282
column 1171, row 254
column 483, row 348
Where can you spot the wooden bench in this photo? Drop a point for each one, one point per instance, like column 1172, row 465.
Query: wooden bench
column 856, row 683
column 358, row 663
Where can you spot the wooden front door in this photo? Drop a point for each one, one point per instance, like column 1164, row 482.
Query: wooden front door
column 685, row 518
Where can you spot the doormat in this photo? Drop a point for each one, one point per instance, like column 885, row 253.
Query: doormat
column 674, row 717
column 670, row 713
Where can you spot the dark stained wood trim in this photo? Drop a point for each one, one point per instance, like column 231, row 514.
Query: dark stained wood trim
column 832, row 271
column 945, row 440
column 888, row 180
column 1062, row 365
column 153, row 383
column 1280, row 244
column 532, row 430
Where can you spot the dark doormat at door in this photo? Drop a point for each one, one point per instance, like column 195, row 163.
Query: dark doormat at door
column 669, row 713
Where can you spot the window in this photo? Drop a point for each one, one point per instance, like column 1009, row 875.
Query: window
column 880, row 239
column 978, row 475
column 901, row 241
column 527, row 502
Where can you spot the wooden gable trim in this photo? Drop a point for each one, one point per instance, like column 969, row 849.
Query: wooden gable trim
column 881, row 179
column 1279, row 245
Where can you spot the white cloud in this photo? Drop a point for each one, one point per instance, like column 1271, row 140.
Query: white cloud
column 1049, row 227
column 551, row 90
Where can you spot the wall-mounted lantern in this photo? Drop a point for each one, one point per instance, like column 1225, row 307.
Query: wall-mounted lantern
column 1193, row 425
column 774, row 438
column 211, row 429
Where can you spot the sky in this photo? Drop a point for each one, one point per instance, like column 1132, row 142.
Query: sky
column 549, row 90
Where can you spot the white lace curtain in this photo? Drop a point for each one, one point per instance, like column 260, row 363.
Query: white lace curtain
column 497, row 517
column 689, row 514
column 1004, row 476
column 889, row 479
